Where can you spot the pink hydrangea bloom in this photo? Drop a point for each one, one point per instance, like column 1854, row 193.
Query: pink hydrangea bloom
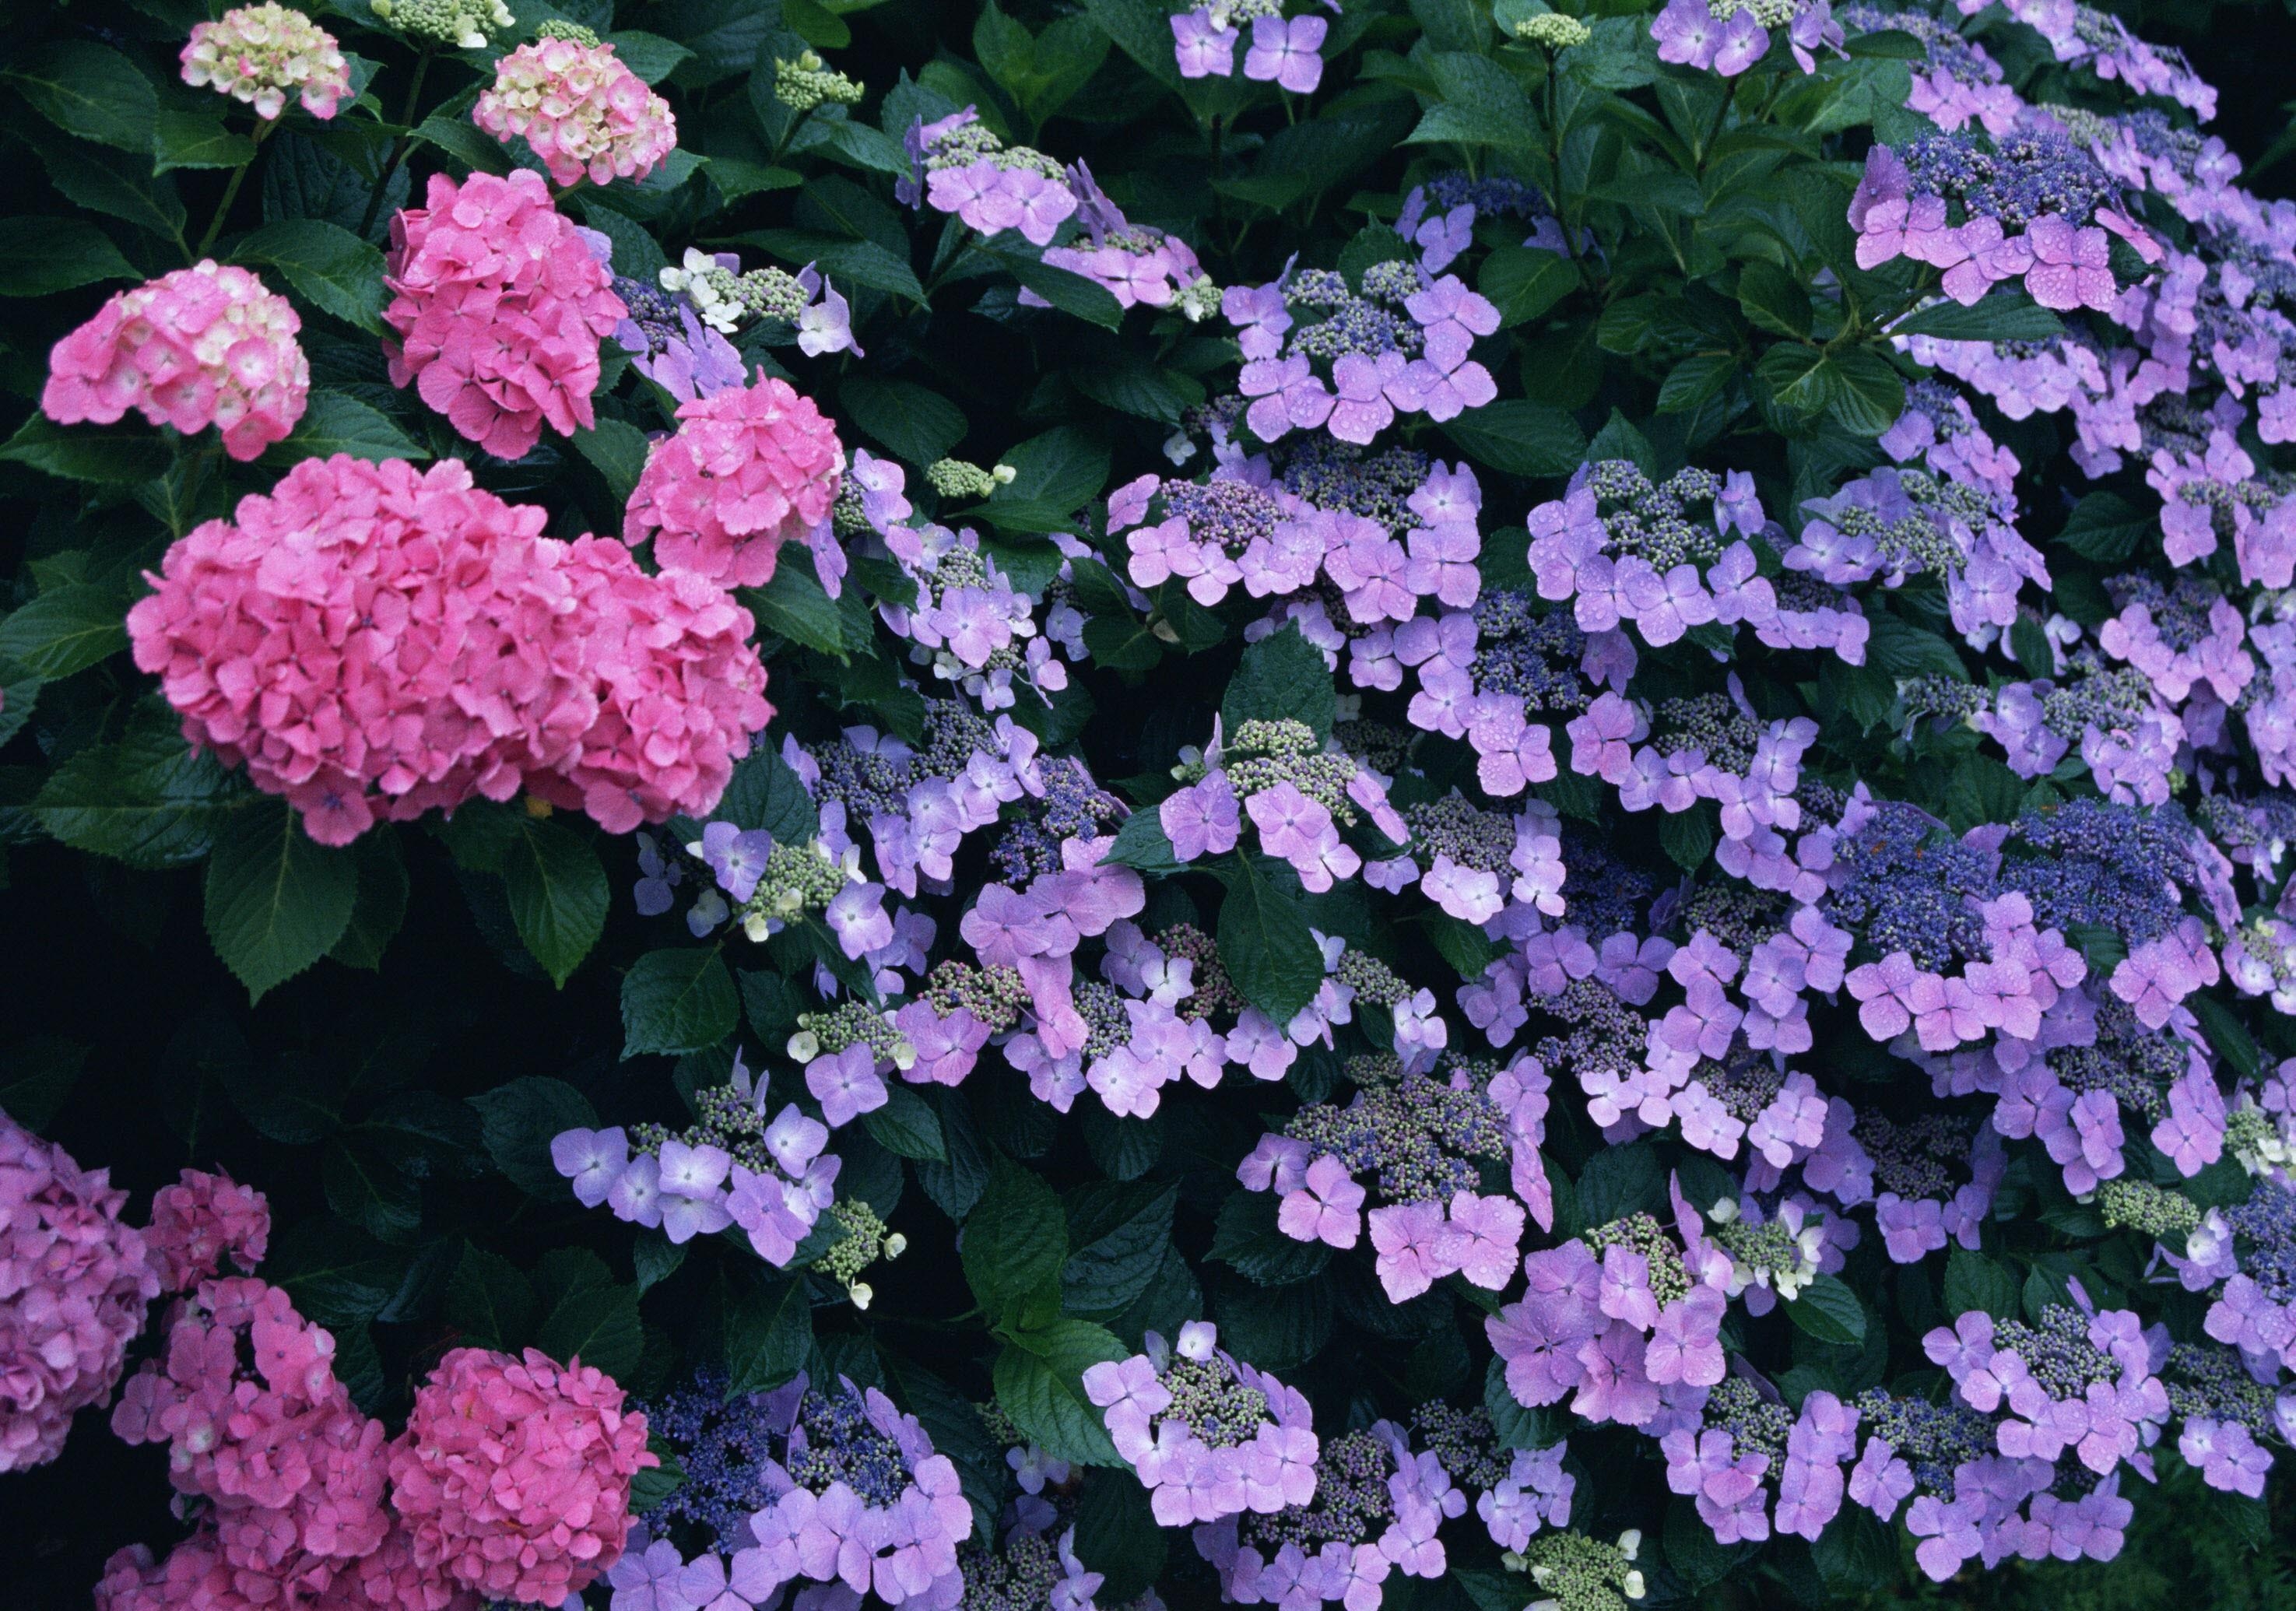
column 486, row 658
column 201, row 1219
column 499, row 307
column 750, row 468
column 580, row 110
column 203, row 346
column 292, row 1474
column 514, row 1478
column 74, row 1282
column 261, row 54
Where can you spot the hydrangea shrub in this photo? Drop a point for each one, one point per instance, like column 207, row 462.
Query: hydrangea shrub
column 1095, row 807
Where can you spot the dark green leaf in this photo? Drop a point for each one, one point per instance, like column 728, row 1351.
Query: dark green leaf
column 335, row 423
column 337, row 272
column 917, row 424
column 617, row 450
column 1039, row 1380
column 1523, row 282
column 1264, row 942
column 1973, row 1281
column 907, row 1126
column 768, row 1332
column 2107, row 527
column 490, row 1301
column 2006, row 315
column 117, row 457
column 1281, row 678
column 89, row 90
column 519, row 1121
column 586, row 1316
column 275, row 899
column 1103, row 1277
column 1829, row 1310
column 676, row 1000
column 381, row 908
column 39, row 256
column 1246, row 1236
column 64, row 630
column 558, row 894
column 1520, row 438
column 1015, row 1241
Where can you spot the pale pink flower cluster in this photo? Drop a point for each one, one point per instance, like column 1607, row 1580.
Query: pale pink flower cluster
column 514, row 1478
column 373, row 640
column 581, row 110
column 202, row 346
column 292, row 1474
column 750, row 468
column 201, row 1219
column 74, row 1282
column 499, row 305
column 261, row 54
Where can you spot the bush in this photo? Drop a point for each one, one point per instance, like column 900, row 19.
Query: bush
column 1454, row 804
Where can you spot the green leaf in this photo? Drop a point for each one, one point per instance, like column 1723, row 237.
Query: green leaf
column 110, row 181
column 1773, row 299
column 461, row 139
column 337, row 1274
column 1620, row 1180
column 1973, row 1281
column 676, row 1001
column 490, row 1301
column 1142, row 843
column 89, row 90
column 117, row 457
column 519, row 1121
column 558, row 894
column 197, row 139
column 2029, row 640
column 650, row 56
column 1902, row 650
column 1520, row 438
column 1525, row 281
column 275, row 899
column 2004, row 315
column 39, row 256
column 1102, row 1277
column 1281, row 678
column 1039, row 1380
column 1117, row 1536
column 2226, row 1036
column 617, row 450
column 336, row 424
column 381, row 908
column 1054, row 475
column 914, row 423
column 1132, row 385
column 1867, row 395
column 2107, row 527
column 339, row 272
column 1016, row 1240
column 64, row 630
column 1687, row 837
column 1245, row 1235
column 860, row 262
column 907, row 1126
column 35, row 1077
column 586, row 1316
column 795, row 606
column 1483, row 104
column 768, row 1332
column 366, row 1185
column 1695, row 382
column 1829, row 1310
column 1264, row 941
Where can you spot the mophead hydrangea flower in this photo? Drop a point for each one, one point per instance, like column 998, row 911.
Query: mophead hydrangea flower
column 512, row 1476
column 207, row 345
column 74, row 1284
column 748, row 469
column 487, row 657
column 498, row 305
column 263, row 54
column 259, row 1427
column 202, row 1220
column 579, row 108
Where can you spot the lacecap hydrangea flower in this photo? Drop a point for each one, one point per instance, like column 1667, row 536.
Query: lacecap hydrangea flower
column 855, row 1496
column 74, row 1283
column 1208, row 1435
column 578, row 108
column 262, row 54
column 203, row 346
column 499, row 304
column 748, row 469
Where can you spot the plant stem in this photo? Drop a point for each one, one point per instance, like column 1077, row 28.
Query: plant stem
column 231, row 194
column 398, row 147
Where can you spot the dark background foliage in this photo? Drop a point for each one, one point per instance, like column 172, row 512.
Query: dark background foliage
column 342, row 1093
